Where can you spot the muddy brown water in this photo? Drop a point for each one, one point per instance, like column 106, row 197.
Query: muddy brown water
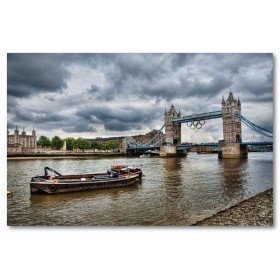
column 173, row 192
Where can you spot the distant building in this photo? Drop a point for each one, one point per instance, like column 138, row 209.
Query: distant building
column 142, row 139
column 100, row 140
column 17, row 142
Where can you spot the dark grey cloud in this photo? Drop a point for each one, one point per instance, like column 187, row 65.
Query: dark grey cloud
column 121, row 118
column 198, row 87
column 79, row 127
column 204, row 75
column 24, row 115
column 181, row 60
column 29, row 74
column 120, row 93
column 93, row 89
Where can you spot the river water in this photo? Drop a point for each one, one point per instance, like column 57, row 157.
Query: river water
column 174, row 191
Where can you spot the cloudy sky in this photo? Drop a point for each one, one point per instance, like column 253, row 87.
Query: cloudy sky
column 100, row 95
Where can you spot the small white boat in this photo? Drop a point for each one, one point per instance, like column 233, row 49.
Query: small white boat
column 145, row 155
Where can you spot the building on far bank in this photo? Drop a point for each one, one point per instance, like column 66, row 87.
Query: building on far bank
column 101, row 140
column 18, row 143
column 141, row 139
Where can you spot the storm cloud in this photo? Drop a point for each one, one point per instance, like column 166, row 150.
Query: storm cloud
column 30, row 74
column 99, row 95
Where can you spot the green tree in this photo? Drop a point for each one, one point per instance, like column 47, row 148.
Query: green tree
column 112, row 145
column 70, row 143
column 94, row 144
column 56, row 142
column 44, row 141
column 103, row 147
column 81, row 143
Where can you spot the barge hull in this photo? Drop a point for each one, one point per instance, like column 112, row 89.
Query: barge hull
column 54, row 188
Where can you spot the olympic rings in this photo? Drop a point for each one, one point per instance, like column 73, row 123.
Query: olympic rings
column 192, row 127
column 196, row 124
column 199, row 127
column 203, row 122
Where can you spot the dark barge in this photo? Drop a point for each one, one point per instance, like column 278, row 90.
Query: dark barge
column 82, row 182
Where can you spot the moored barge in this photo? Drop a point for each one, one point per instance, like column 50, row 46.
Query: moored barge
column 82, row 182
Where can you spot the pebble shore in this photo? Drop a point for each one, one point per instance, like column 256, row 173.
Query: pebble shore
column 256, row 211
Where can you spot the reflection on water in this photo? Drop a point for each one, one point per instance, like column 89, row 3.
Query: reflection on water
column 175, row 195
column 233, row 173
column 174, row 191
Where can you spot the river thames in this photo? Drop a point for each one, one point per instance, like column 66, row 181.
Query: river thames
column 173, row 192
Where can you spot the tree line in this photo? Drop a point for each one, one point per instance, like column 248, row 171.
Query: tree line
column 80, row 143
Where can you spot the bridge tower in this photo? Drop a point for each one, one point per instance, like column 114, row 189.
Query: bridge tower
column 231, row 124
column 172, row 133
column 232, row 135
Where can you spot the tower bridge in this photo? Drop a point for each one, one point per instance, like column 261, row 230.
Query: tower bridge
column 231, row 146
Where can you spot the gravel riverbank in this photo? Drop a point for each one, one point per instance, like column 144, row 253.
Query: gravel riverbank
column 256, row 211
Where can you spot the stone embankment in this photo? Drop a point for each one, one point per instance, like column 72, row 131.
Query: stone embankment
column 256, row 211
column 61, row 155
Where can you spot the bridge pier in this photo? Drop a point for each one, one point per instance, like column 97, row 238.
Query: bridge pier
column 168, row 151
column 171, row 151
column 232, row 150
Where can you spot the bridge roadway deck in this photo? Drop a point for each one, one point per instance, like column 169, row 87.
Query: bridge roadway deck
column 257, row 143
column 188, row 146
column 143, row 148
column 197, row 117
column 181, row 147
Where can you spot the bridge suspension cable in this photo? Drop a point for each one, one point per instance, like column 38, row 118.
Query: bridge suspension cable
column 150, row 142
column 155, row 136
column 158, row 141
column 261, row 130
column 132, row 143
